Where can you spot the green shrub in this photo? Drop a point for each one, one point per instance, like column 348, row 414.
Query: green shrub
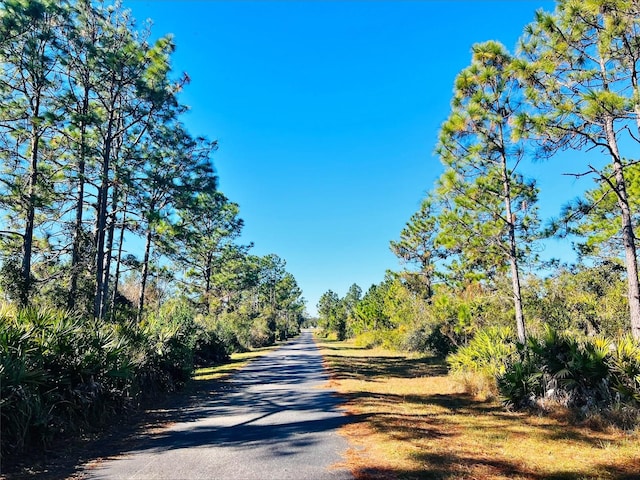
column 624, row 366
column 490, row 351
column 57, row 373
column 486, row 357
column 209, row 347
column 521, row 384
column 572, row 371
column 60, row 373
column 392, row 339
column 261, row 334
column 169, row 341
column 368, row 339
column 561, row 369
column 429, row 339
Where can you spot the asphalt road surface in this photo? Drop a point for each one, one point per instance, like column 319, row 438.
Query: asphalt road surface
column 270, row 420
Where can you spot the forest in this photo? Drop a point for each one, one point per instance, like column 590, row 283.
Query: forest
column 122, row 268
column 473, row 289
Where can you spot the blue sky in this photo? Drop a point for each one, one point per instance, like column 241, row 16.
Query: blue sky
column 327, row 114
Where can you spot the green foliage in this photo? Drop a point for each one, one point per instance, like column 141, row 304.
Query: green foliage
column 393, row 313
column 254, row 302
column 58, row 373
column 418, row 248
column 489, row 219
column 586, row 375
column 369, row 315
column 595, row 220
column 11, row 281
column 332, row 316
column 590, row 375
column 262, row 331
column 571, row 369
column 520, row 385
column 488, row 353
column 168, row 346
column 587, row 300
column 61, row 374
column 624, row 367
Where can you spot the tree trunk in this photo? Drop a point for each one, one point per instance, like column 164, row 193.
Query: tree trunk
column 109, row 252
column 101, row 220
column 513, row 252
column 145, row 271
column 27, row 239
column 77, row 227
column 628, row 236
column 116, row 275
column 207, row 282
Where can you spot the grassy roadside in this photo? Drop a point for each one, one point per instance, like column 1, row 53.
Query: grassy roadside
column 412, row 421
column 236, row 362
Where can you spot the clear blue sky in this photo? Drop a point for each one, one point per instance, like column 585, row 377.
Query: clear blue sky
column 327, row 113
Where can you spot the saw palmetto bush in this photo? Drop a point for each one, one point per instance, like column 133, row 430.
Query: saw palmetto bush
column 21, row 379
column 58, row 374
column 624, row 366
column 557, row 367
column 589, row 375
column 489, row 351
column 572, row 369
column 593, row 375
column 166, row 345
column 487, row 356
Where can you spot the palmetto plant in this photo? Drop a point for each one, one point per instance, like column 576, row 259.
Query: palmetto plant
column 19, row 384
column 490, row 352
column 57, row 373
column 624, row 365
column 571, row 366
column 560, row 367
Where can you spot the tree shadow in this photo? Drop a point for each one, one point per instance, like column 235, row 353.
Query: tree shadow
column 373, row 368
column 455, row 466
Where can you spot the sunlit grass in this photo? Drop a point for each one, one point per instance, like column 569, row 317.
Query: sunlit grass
column 236, row 362
column 411, row 420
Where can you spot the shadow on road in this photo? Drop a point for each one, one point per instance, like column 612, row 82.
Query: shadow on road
column 285, row 381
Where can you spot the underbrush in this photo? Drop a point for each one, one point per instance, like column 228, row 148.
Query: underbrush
column 592, row 379
column 61, row 374
column 415, row 338
column 391, row 339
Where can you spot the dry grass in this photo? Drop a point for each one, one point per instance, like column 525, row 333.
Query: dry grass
column 410, row 420
column 236, row 362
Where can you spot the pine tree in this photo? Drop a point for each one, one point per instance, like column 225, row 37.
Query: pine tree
column 491, row 206
column 580, row 65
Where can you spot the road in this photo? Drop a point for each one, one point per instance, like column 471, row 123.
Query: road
column 270, row 420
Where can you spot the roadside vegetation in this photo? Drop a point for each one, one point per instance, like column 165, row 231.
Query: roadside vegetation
column 536, row 335
column 121, row 270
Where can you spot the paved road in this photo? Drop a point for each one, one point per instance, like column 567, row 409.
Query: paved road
column 269, row 421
